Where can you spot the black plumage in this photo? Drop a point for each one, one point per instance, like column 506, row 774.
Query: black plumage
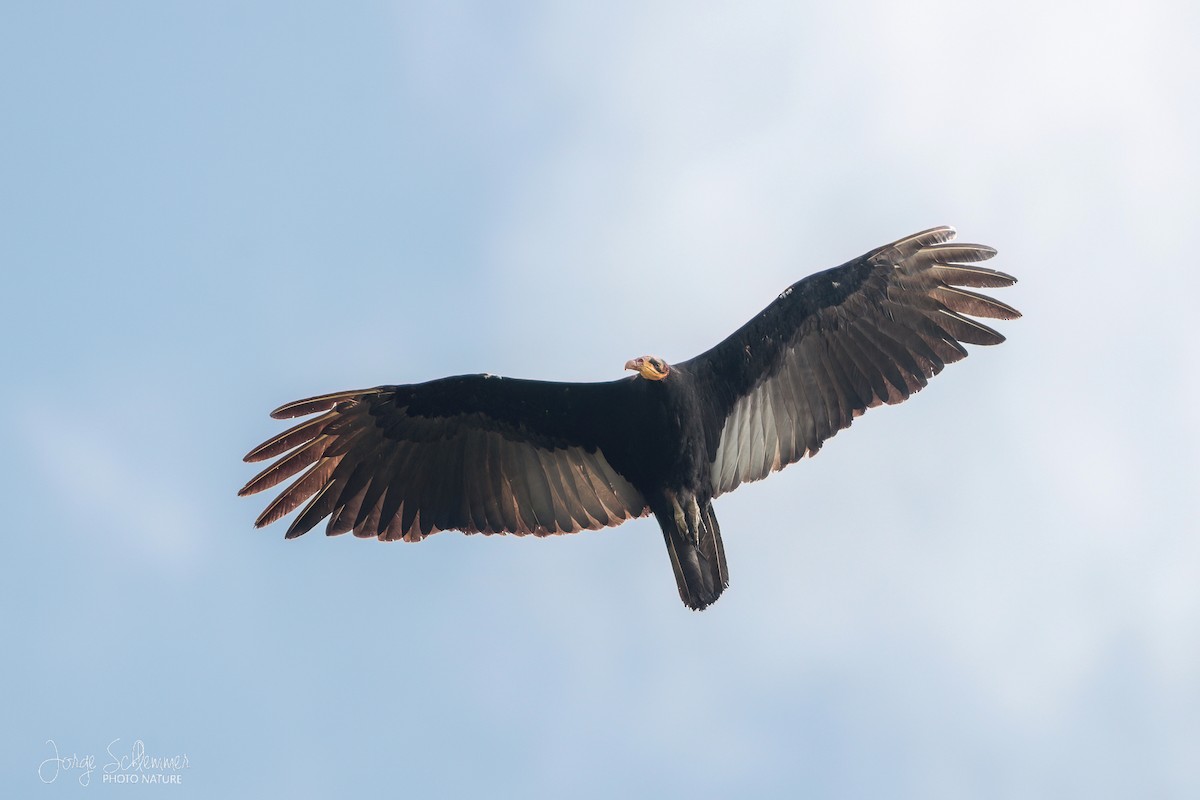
column 484, row 454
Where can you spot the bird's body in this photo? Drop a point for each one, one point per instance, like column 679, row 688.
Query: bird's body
column 480, row 453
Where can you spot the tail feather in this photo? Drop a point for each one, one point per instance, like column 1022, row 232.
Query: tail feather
column 693, row 540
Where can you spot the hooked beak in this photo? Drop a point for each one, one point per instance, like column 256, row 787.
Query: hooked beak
column 634, row 364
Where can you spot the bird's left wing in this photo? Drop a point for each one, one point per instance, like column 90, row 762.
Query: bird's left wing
column 841, row 341
column 475, row 453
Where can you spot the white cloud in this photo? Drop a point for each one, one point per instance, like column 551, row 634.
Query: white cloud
column 715, row 160
column 111, row 489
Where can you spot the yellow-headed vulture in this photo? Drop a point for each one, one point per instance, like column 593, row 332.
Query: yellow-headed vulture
column 484, row 454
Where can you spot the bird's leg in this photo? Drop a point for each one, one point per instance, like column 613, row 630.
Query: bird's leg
column 687, row 515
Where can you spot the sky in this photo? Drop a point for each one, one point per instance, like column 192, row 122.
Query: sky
column 210, row 209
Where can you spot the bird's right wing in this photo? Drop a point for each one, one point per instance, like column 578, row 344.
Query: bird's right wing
column 474, row 453
column 836, row 343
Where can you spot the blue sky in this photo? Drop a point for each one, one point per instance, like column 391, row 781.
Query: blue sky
column 212, row 208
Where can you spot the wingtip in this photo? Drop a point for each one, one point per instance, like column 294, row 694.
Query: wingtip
column 985, row 252
column 260, row 453
column 944, row 233
column 309, row 405
column 286, row 411
column 323, row 402
column 1005, row 277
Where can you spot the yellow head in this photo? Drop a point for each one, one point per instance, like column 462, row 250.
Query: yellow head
column 652, row 368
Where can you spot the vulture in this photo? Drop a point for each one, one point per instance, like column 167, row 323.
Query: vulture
column 487, row 454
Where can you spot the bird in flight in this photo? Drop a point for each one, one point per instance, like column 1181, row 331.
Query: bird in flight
column 485, row 454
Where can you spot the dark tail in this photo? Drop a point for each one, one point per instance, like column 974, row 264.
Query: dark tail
column 694, row 543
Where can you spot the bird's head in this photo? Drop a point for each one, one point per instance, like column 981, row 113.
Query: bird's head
column 652, row 368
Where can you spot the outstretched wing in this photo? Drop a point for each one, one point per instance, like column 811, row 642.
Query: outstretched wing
column 841, row 341
column 476, row 453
